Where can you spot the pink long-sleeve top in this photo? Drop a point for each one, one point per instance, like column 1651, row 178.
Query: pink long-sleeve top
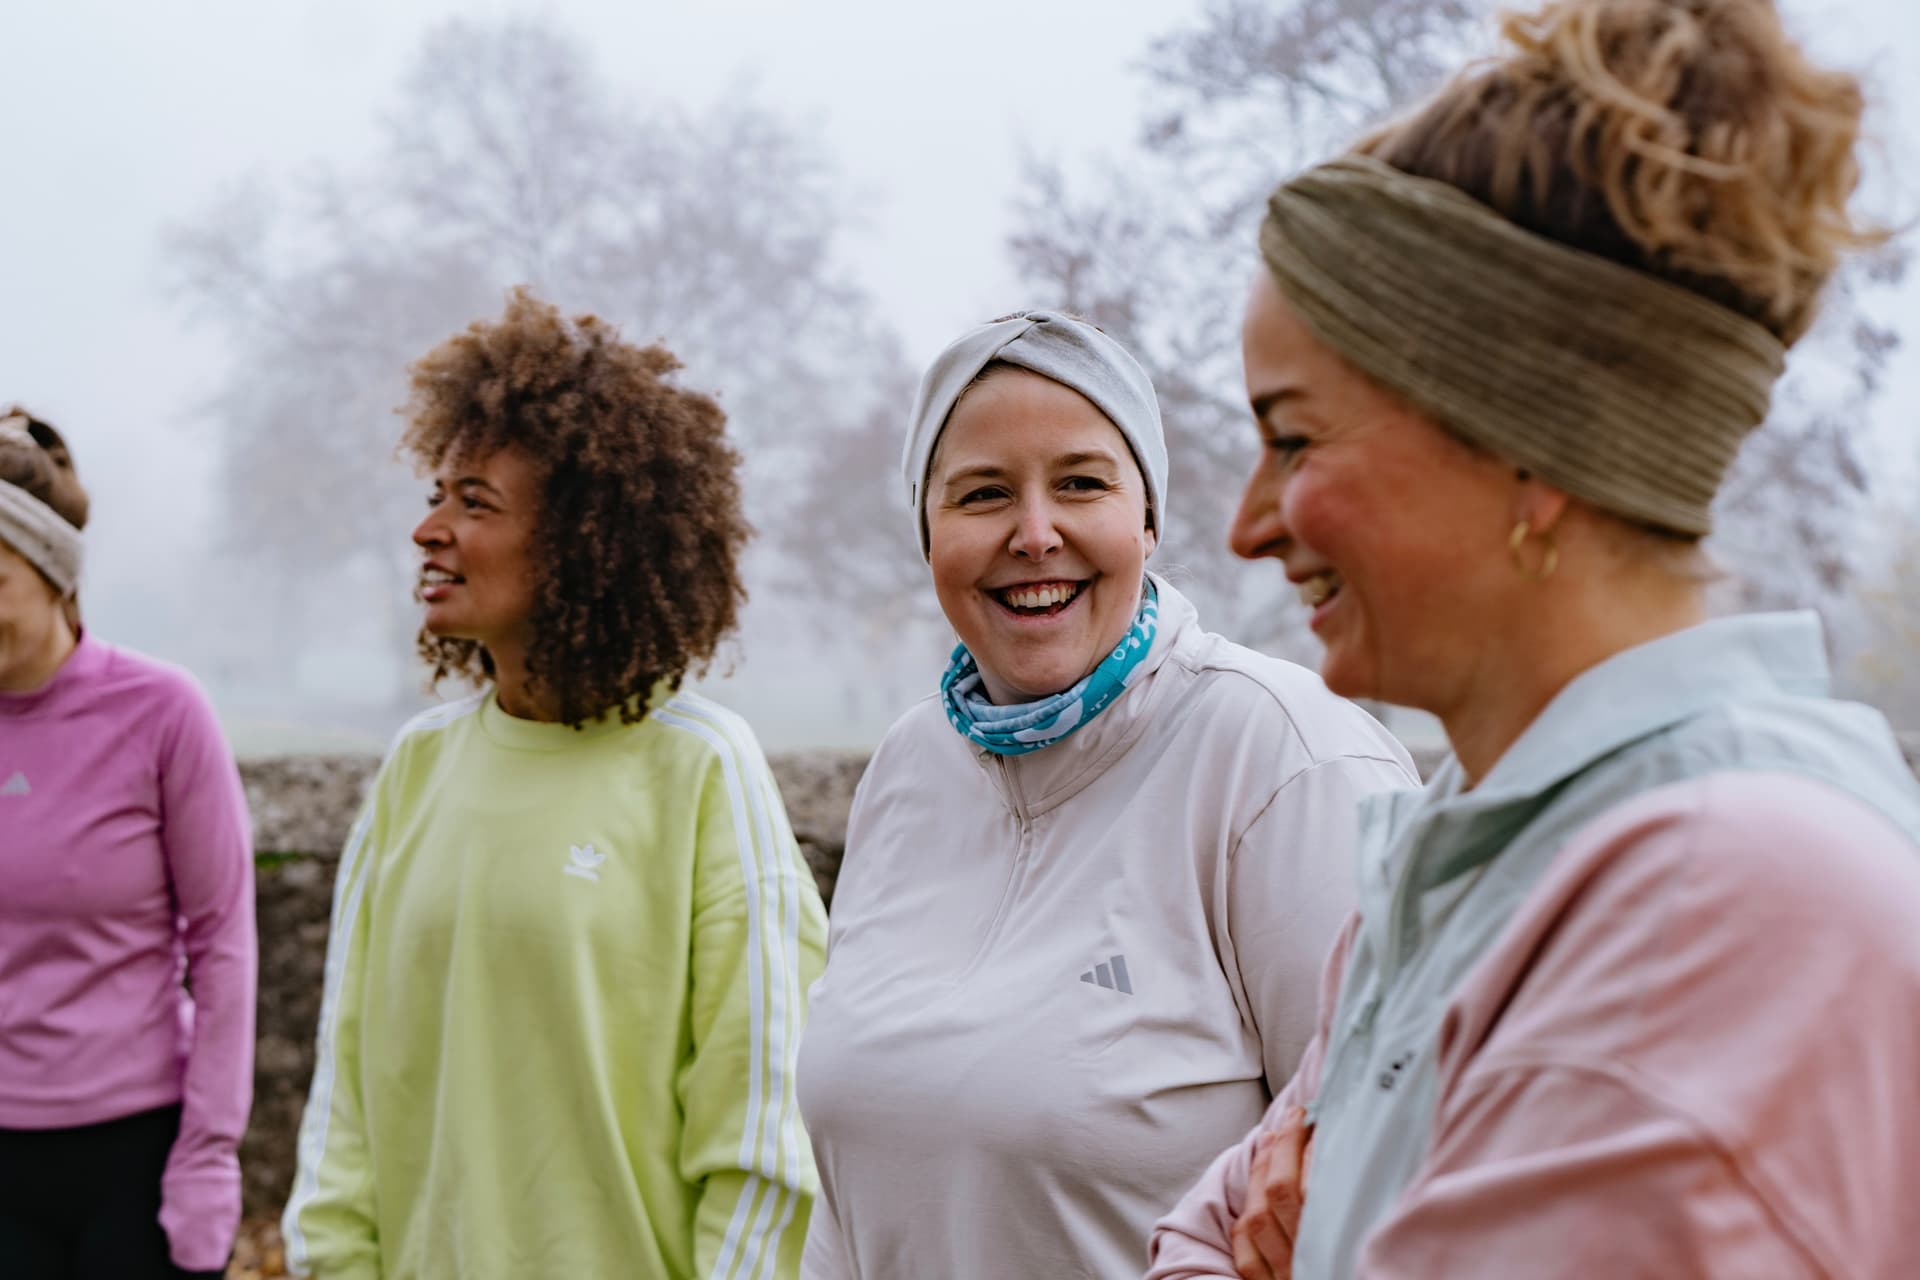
column 126, row 873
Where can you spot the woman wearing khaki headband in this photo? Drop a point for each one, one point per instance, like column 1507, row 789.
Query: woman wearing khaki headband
column 1634, row 986
column 125, row 866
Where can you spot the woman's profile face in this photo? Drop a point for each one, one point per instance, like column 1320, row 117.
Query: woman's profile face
column 1394, row 530
column 31, row 613
column 477, row 577
column 1037, row 533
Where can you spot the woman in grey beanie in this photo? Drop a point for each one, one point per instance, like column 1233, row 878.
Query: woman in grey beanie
column 1087, row 885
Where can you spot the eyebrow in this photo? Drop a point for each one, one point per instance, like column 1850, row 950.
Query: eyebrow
column 475, row 482
column 991, row 471
column 1268, row 401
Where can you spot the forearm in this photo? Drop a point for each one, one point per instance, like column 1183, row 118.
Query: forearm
column 200, row 1189
column 1195, row 1239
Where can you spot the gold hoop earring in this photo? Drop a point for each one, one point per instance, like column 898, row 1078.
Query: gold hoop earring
column 1549, row 557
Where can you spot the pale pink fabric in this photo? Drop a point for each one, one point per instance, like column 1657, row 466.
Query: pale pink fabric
column 1694, row 1051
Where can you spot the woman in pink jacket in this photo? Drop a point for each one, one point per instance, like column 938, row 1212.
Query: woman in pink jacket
column 126, row 878
column 1633, row 989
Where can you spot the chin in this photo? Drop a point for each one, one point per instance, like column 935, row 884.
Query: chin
column 444, row 628
column 1031, row 686
column 1345, row 681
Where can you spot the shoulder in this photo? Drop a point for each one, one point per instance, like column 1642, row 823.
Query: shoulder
column 412, row 755
column 157, row 701
column 1232, row 688
column 1722, row 891
column 920, row 767
column 434, row 722
column 922, row 733
column 714, row 735
column 1750, row 846
column 140, row 683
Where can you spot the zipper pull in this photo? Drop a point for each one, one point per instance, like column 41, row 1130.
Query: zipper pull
column 1363, row 1021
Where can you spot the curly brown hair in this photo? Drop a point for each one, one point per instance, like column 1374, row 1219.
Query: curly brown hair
column 639, row 531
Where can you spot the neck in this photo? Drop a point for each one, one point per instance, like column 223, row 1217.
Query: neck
column 34, row 670
column 1527, row 662
column 513, row 686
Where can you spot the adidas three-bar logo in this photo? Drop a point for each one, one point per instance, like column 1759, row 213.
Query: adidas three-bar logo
column 1111, row 974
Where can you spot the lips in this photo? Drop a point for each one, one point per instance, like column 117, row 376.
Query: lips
column 436, row 583
column 1038, row 599
column 1319, row 588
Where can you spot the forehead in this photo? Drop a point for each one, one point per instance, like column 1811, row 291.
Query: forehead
column 505, row 468
column 1017, row 415
column 1275, row 341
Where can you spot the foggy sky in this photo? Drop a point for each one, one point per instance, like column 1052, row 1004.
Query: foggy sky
column 122, row 118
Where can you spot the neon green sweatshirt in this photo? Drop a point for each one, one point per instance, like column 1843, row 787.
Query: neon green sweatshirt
column 564, row 987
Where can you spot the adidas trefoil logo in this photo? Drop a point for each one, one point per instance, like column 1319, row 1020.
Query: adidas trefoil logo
column 1111, row 974
column 584, row 861
column 16, row 785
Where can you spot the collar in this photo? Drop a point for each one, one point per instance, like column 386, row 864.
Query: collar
column 546, row 736
column 1631, row 696
column 88, row 659
column 1661, row 683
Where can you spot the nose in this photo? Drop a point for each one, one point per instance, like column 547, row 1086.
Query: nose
column 1036, row 536
column 431, row 531
column 1259, row 528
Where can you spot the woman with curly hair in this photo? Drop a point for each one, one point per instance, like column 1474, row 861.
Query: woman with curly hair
column 572, row 932
column 1634, row 988
column 126, row 865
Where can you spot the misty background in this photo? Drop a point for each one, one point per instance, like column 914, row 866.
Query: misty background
column 227, row 228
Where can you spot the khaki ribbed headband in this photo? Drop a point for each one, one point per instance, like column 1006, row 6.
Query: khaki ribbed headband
column 1620, row 388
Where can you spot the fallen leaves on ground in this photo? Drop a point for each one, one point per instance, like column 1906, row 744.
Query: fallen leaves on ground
column 258, row 1253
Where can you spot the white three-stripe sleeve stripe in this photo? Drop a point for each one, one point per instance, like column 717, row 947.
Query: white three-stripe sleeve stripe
column 792, row 880
column 349, row 889
column 770, row 1140
column 770, row 1258
column 740, row 1241
column 778, row 845
column 779, row 867
column 770, row 1128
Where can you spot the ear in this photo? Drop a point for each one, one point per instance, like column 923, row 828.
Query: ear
column 1537, row 502
column 1153, row 538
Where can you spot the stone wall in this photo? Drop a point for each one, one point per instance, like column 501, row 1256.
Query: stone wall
column 302, row 807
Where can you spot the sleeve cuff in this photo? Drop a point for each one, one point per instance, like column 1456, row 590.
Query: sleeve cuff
column 201, row 1216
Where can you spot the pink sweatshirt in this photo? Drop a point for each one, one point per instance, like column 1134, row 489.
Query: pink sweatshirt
column 126, row 866
column 1695, row 1050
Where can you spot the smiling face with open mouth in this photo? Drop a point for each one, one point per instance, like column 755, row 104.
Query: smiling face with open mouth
column 1037, row 531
